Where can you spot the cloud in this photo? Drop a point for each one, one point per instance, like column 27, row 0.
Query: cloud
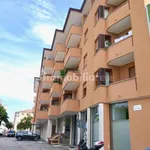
column 44, row 32
column 17, row 81
column 43, row 22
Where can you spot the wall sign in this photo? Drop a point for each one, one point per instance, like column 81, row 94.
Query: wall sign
column 137, row 107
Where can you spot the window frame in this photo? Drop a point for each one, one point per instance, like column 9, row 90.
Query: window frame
column 85, row 35
column 130, row 76
column 84, row 86
column 85, row 62
column 101, row 37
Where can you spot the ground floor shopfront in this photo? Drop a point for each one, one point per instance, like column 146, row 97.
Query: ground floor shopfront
column 122, row 125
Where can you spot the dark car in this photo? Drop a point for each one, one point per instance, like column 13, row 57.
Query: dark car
column 27, row 135
column 10, row 133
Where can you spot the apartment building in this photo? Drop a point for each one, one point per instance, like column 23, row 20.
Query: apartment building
column 20, row 115
column 102, row 57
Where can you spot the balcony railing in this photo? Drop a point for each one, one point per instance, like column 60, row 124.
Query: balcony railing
column 56, row 90
column 54, row 111
column 119, row 20
column 70, row 106
column 44, row 98
column 121, row 53
column 122, row 90
column 74, row 36
column 73, row 57
column 59, row 53
column 71, row 81
column 42, row 115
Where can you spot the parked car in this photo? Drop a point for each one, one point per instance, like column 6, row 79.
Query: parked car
column 10, row 133
column 27, row 135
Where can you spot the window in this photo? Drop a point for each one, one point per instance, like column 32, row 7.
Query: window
column 103, row 77
column 102, row 41
column 67, row 96
column 55, row 102
column 85, row 61
column 102, row 12
column 120, row 111
column 132, row 72
column 84, row 89
column 86, row 35
column 46, row 91
column 44, row 108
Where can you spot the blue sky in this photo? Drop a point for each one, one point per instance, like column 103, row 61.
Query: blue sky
column 26, row 27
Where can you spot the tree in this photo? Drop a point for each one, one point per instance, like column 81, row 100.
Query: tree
column 3, row 114
column 25, row 123
column 9, row 125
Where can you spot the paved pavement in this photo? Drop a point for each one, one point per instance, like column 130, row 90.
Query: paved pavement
column 13, row 144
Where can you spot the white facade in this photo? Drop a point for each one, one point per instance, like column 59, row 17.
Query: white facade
column 20, row 115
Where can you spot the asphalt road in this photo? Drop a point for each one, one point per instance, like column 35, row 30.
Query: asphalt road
column 13, row 144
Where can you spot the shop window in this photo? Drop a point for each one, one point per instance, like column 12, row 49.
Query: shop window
column 102, row 42
column 132, row 72
column 102, row 12
column 120, row 111
column 103, row 77
column 84, row 89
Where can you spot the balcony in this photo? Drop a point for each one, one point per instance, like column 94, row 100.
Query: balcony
column 121, row 53
column 56, row 90
column 42, row 115
column 115, row 2
column 71, row 81
column 74, row 36
column 73, row 57
column 57, row 67
column 44, row 98
column 46, row 81
column 59, row 53
column 122, row 90
column 119, row 20
column 69, row 107
column 54, row 111
column 48, row 66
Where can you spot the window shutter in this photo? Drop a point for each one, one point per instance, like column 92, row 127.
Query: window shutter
column 101, row 12
column 101, row 74
column 110, row 76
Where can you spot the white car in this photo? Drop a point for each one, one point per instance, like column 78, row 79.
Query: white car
column 2, row 132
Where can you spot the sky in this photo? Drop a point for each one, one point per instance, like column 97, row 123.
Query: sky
column 26, row 27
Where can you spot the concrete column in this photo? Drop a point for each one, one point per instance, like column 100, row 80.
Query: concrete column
column 49, row 129
column 88, row 127
column 101, row 122
column 79, row 129
column 34, row 128
column 56, row 126
column 71, row 130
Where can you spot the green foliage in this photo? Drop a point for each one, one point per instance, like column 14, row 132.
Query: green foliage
column 9, row 125
column 25, row 123
column 63, row 72
column 3, row 114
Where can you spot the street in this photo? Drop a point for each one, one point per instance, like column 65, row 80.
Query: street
column 13, row 144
